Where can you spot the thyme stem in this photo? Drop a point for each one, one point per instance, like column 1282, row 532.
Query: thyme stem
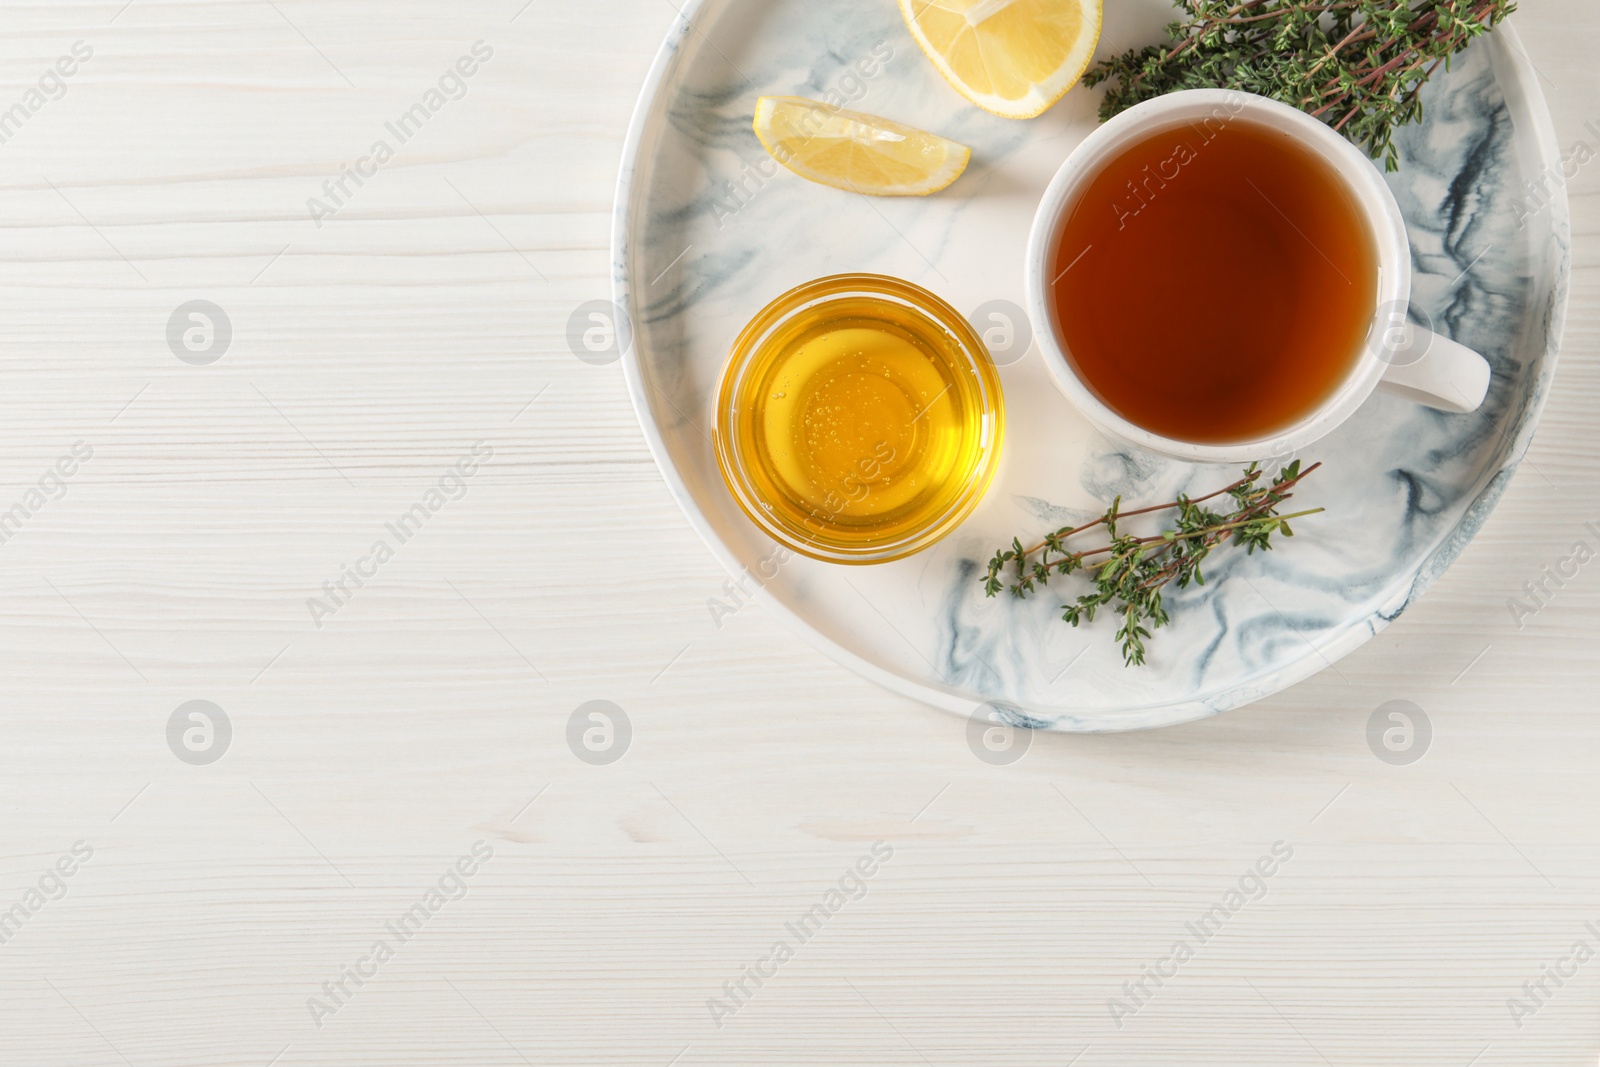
column 1138, row 567
column 1357, row 64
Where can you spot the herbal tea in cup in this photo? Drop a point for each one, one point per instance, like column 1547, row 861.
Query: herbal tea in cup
column 1225, row 278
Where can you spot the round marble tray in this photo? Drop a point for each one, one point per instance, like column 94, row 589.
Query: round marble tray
column 708, row 229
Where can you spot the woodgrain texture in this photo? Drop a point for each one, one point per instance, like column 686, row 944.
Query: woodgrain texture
column 431, row 710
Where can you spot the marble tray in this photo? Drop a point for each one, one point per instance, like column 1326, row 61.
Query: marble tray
column 707, row 230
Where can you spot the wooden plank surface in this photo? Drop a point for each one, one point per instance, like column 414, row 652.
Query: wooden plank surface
column 431, row 710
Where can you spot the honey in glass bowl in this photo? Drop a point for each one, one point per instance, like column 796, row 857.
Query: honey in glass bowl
column 859, row 419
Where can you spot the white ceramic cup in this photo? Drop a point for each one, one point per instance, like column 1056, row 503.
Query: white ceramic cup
column 1398, row 355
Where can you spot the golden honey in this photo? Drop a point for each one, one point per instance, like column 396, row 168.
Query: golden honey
column 859, row 419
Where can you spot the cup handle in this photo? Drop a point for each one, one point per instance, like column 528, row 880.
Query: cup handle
column 1447, row 376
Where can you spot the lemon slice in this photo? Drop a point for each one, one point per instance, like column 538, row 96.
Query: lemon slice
column 850, row 150
column 1012, row 57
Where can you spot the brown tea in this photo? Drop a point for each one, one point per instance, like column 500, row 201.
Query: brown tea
column 1215, row 282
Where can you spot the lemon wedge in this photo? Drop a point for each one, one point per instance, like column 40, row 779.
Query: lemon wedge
column 1012, row 57
column 854, row 151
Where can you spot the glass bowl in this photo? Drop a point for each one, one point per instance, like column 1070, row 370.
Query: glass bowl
column 859, row 419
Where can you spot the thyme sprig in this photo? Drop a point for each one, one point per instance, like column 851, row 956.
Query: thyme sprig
column 1136, row 569
column 1355, row 64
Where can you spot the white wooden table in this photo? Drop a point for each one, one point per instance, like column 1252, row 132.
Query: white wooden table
column 375, row 742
